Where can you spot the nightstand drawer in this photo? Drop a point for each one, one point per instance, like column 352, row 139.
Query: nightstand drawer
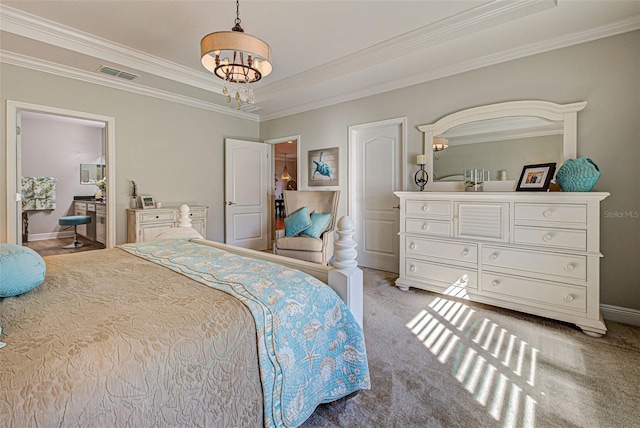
column 574, row 239
column 536, row 293
column 196, row 213
column 454, row 251
column 156, row 215
column 442, row 275
column 428, row 227
column 539, row 262
column 558, row 214
column 428, row 208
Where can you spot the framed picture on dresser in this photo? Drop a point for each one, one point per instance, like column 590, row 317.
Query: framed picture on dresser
column 146, row 201
column 536, row 177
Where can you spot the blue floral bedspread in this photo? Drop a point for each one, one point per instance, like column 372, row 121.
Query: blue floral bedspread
column 311, row 349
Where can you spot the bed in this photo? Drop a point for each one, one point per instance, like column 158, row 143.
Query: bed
column 182, row 332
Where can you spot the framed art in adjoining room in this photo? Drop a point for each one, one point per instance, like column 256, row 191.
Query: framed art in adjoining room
column 323, row 167
column 147, row 201
column 536, row 177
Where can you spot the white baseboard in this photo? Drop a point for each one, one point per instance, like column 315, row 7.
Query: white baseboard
column 619, row 314
column 52, row 235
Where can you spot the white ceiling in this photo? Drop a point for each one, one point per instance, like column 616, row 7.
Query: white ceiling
column 324, row 52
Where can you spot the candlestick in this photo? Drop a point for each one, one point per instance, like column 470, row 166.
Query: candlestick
column 421, row 160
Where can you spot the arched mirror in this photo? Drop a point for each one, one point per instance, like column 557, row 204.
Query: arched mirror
column 500, row 138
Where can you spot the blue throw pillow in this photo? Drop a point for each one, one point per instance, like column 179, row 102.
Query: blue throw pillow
column 297, row 222
column 21, row 269
column 320, row 222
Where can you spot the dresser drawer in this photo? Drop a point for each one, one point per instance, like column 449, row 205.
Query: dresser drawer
column 155, row 216
column 558, row 214
column 196, row 213
column 537, row 293
column 548, row 264
column 80, row 206
column 428, row 227
column 454, row 251
column 574, row 239
column 428, row 208
column 101, row 209
column 91, row 207
column 442, row 275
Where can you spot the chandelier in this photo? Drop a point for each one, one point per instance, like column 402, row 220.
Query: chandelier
column 440, row 143
column 237, row 58
column 285, row 172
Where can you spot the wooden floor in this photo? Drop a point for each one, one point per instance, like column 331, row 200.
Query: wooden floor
column 279, row 223
column 51, row 247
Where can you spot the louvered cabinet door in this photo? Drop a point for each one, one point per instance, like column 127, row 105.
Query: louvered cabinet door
column 486, row 221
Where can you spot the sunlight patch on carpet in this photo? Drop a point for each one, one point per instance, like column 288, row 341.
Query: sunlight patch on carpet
column 493, row 365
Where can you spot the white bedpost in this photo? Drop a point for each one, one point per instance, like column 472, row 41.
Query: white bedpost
column 346, row 278
column 185, row 218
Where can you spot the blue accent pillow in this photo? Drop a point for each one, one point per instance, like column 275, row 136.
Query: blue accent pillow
column 297, row 222
column 21, row 269
column 319, row 223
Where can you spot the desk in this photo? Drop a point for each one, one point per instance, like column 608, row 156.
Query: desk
column 279, row 206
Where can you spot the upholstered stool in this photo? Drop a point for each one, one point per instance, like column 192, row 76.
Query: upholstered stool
column 74, row 220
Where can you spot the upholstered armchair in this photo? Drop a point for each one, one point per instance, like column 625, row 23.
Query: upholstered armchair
column 309, row 225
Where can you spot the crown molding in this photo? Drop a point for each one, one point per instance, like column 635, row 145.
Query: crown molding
column 24, row 61
column 493, row 13
column 489, row 14
column 34, row 27
column 631, row 23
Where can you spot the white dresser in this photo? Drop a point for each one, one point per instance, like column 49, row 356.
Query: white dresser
column 532, row 252
column 145, row 224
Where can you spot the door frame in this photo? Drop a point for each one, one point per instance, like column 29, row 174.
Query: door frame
column 12, row 216
column 353, row 130
column 272, row 164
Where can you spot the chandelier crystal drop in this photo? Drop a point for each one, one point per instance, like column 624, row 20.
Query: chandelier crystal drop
column 237, row 58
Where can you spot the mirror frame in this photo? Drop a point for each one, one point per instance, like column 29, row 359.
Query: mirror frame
column 566, row 113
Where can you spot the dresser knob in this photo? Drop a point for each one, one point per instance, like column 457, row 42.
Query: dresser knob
column 157, row 216
column 493, row 256
column 412, row 268
column 547, row 238
column 568, row 298
column 494, row 283
column 568, row 267
column 464, row 253
column 425, row 226
column 547, row 213
column 412, row 246
column 425, row 207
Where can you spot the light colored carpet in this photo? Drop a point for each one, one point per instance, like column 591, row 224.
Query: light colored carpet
column 442, row 362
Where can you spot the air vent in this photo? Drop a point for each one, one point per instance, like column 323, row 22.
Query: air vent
column 117, row 73
column 249, row 108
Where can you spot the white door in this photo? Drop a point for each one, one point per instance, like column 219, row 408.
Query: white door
column 246, row 193
column 376, row 165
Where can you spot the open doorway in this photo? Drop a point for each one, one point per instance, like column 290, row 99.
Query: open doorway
column 285, row 167
column 104, row 162
column 64, row 159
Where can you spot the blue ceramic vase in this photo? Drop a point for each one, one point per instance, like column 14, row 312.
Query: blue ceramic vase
column 578, row 175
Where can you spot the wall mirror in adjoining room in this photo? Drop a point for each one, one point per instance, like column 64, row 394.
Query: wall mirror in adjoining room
column 91, row 173
column 500, row 138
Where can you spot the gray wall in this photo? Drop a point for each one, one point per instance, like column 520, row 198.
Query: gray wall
column 174, row 152
column 51, row 148
column 605, row 73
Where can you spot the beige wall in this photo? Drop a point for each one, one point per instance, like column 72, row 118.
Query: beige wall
column 605, row 73
column 173, row 152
